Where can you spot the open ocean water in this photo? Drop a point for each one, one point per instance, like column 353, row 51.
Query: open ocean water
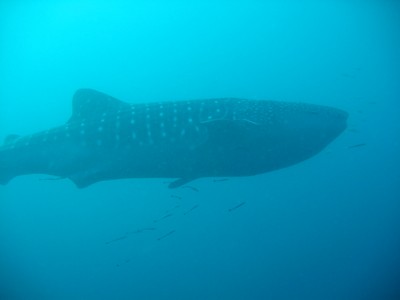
column 326, row 228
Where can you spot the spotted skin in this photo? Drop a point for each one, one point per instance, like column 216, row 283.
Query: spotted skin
column 109, row 139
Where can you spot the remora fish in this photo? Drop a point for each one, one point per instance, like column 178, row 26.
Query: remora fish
column 109, row 139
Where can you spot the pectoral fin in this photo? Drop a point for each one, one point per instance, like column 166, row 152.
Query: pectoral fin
column 179, row 182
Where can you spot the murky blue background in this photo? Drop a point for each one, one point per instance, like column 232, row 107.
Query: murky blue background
column 328, row 228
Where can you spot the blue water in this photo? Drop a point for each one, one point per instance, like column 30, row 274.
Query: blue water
column 327, row 228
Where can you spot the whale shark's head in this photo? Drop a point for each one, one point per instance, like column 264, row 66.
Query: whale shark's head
column 291, row 132
column 313, row 125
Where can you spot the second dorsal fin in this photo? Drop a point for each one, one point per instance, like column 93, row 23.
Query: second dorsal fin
column 88, row 103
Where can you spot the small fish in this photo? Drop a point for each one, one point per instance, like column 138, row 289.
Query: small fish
column 191, row 209
column 191, row 188
column 356, row 146
column 163, row 217
column 176, row 197
column 220, row 179
column 236, row 206
column 117, row 239
column 165, row 235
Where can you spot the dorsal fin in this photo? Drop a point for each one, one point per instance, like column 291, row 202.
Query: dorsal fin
column 88, row 103
column 11, row 138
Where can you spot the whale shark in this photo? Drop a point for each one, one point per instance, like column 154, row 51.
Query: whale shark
column 108, row 139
